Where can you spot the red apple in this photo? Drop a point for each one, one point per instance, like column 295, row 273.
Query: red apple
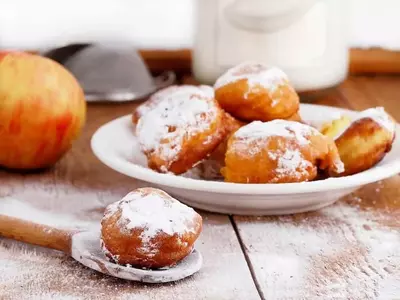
column 42, row 111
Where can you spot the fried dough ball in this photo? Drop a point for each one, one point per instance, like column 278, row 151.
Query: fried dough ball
column 181, row 131
column 210, row 169
column 231, row 124
column 365, row 142
column 252, row 91
column 166, row 93
column 279, row 151
column 295, row 117
column 149, row 229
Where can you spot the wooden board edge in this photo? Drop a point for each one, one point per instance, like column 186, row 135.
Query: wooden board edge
column 362, row 61
column 374, row 61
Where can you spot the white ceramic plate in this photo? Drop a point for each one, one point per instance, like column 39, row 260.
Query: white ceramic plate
column 116, row 146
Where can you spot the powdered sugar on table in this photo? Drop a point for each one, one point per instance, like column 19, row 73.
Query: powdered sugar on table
column 340, row 252
column 24, row 211
column 347, row 251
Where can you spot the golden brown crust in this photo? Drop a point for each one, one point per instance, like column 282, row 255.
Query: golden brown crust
column 171, row 250
column 260, row 168
column 258, row 104
column 194, row 149
column 232, row 124
column 363, row 144
column 210, row 169
column 182, row 130
column 127, row 247
column 258, row 161
column 295, row 117
column 135, row 115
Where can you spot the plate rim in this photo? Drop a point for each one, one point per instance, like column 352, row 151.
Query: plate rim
column 147, row 175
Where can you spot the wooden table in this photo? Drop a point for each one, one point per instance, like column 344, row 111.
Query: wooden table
column 350, row 250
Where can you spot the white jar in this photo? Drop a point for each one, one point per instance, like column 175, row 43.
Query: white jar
column 305, row 38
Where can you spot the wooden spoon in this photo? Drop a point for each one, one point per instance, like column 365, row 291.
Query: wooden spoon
column 84, row 246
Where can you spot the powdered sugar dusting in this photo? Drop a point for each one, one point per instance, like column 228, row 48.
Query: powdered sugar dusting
column 28, row 272
column 274, row 102
column 338, row 166
column 256, row 75
column 24, row 211
column 153, row 213
column 290, row 162
column 171, row 92
column 340, row 252
column 261, row 130
column 378, row 115
column 164, row 128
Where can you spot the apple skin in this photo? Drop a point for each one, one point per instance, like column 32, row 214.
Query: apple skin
column 42, row 111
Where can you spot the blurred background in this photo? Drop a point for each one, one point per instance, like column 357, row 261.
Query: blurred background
column 157, row 24
column 309, row 39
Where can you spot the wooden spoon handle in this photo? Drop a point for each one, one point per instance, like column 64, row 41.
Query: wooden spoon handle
column 36, row 234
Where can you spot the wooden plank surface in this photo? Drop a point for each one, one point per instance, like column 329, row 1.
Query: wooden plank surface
column 74, row 193
column 347, row 251
column 350, row 250
column 29, row 273
column 367, row 91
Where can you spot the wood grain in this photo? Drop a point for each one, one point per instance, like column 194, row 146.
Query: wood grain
column 362, row 92
column 374, row 61
column 36, row 234
column 48, row 275
column 349, row 250
column 158, row 61
column 361, row 61
column 289, row 256
column 315, row 255
column 75, row 192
